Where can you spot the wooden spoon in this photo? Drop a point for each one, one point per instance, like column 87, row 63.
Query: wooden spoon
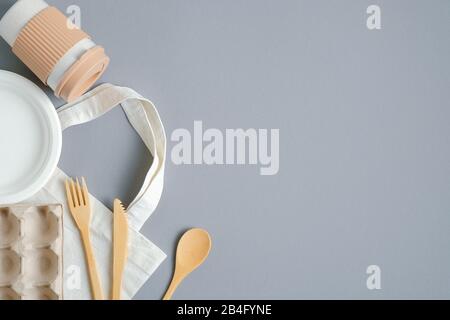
column 192, row 251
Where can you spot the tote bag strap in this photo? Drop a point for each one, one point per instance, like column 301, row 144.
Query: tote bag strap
column 144, row 118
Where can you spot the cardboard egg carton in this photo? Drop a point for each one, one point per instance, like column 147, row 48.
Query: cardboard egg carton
column 31, row 259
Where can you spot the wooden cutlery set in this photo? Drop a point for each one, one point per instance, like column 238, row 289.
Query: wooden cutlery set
column 192, row 251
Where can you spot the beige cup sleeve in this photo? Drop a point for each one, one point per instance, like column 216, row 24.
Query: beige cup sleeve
column 45, row 40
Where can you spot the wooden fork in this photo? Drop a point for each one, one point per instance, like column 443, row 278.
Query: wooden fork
column 80, row 208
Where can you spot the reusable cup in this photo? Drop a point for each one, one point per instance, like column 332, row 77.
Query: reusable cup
column 62, row 56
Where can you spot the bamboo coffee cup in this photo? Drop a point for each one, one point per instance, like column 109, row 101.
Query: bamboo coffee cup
column 60, row 54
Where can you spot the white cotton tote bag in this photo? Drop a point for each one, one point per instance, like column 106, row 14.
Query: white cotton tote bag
column 143, row 256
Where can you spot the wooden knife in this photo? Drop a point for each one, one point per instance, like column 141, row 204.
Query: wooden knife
column 120, row 250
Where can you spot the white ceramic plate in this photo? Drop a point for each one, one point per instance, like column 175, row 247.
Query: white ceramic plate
column 30, row 138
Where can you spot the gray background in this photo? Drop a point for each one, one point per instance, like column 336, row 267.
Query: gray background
column 365, row 140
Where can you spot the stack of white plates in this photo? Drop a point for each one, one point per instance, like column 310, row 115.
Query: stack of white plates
column 30, row 138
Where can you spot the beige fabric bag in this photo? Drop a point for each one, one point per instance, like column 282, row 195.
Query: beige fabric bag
column 144, row 256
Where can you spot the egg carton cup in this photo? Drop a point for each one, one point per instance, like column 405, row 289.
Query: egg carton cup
column 31, row 252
